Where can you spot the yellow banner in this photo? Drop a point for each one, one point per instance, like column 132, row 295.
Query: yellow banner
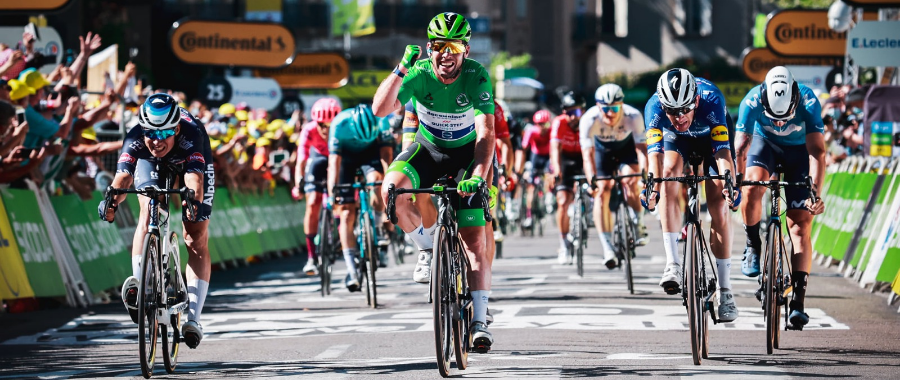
column 734, row 92
column 365, row 18
column 361, row 85
column 12, row 270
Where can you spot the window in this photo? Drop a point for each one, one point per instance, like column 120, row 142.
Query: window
column 692, row 17
column 521, row 9
column 614, row 18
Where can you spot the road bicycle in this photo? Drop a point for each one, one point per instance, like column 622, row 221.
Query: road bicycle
column 538, row 211
column 775, row 279
column 162, row 294
column 698, row 289
column 449, row 293
column 578, row 225
column 624, row 236
column 328, row 244
column 366, row 236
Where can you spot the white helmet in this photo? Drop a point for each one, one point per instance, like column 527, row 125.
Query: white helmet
column 609, row 93
column 780, row 94
column 676, row 88
column 159, row 112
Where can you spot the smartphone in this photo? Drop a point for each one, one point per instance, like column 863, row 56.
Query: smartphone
column 24, row 153
column 20, row 116
column 132, row 52
column 70, row 57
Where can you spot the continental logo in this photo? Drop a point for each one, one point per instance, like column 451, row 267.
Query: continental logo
column 758, row 62
column 654, row 136
column 719, row 133
column 799, row 32
column 314, row 70
column 250, row 44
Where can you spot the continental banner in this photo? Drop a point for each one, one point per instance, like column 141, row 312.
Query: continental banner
column 249, row 44
column 33, row 242
column 12, row 268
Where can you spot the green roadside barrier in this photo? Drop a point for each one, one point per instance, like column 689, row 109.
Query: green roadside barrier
column 829, row 222
column 34, row 243
column 858, row 191
column 873, row 225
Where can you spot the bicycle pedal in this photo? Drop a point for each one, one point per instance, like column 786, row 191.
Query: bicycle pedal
column 481, row 348
column 793, row 327
column 672, row 290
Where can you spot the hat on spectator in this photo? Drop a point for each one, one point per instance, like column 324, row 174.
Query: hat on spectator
column 89, row 134
column 263, row 141
column 241, row 115
column 275, row 125
column 226, row 109
column 33, row 79
column 19, row 89
column 242, row 106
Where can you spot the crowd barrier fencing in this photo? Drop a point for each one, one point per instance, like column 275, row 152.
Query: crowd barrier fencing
column 58, row 247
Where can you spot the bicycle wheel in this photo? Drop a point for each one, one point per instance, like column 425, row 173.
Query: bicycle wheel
column 323, row 249
column 461, row 338
column 692, row 291
column 148, row 326
column 577, row 229
column 175, row 293
column 441, row 301
column 397, row 244
column 537, row 213
column 770, row 279
column 627, row 234
column 370, row 255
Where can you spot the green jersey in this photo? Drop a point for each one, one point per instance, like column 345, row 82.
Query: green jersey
column 447, row 111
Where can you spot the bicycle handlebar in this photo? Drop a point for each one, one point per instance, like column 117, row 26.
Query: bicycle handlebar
column 151, row 192
column 807, row 183
column 434, row 190
column 356, row 185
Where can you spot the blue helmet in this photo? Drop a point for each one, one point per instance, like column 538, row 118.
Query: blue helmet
column 365, row 122
column 159, row 112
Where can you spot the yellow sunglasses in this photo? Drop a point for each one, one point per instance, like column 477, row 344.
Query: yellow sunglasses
column 452, row 47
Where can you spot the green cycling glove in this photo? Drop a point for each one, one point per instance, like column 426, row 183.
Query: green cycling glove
column 470, row 185
column 410, row 56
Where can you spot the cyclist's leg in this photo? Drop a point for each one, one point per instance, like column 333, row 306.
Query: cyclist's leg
column 670, row 212
column 564, row 198
column 196, row 240
column 720, row 237
column 473, row 230
column 799, row 224
column 628, row 158
column 760, row 167
column 605, row 163
column 316, row 171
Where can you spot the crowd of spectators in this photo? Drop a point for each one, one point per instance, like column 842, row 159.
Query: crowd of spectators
column 842, row 113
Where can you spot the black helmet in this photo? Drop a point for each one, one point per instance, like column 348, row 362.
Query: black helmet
column 571, row 99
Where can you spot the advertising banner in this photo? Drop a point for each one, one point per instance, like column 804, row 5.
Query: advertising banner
column 33, row 243
column 256, row 92
column 811, row 76
column 12, row 269
column 875, row 43
column 313, row 70
column 758, row 62
column 249, row 44
column 32, row 5
column 882, row 122
column 804, row 32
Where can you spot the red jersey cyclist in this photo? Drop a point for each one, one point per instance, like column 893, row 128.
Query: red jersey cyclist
column 536, row 139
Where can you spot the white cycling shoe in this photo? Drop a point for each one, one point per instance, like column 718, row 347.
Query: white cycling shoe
column 422, row 274
column 728, row 311
column 192, row 333
column 130, row 295
column 310, row 268
column 671, row 279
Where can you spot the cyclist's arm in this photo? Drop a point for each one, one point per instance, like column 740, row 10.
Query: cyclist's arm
column 410, row 125
column 815, row 145
column 194, row 180
column 748, row 113
column 587, row 155
column 641, row 149
column 554, row 157
column 334, row 168
column 506, row 152
column 122, row 180
column 299, row 170
column 386, row 101
column 724, row 162
column 387, row 156
column 484, row 144
column 742, row 143
column 520, row 161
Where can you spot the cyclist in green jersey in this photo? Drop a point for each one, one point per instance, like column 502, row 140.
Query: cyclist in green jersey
column 455, row 106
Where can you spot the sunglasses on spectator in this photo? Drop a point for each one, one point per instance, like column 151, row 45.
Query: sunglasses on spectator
column 614, row 108
column 452, row 47
column 573, row 112
column 159, row 134
column 680, row 111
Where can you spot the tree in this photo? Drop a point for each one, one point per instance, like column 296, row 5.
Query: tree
column 813, row 4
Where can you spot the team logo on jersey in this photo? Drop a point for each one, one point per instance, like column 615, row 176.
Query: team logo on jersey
column 126, row 158
column 481, row 80
column 185, row 144
column 719, row 133
column 462, row 100
column 752, row 102
column 197, row 157
column 654, row 136
column 429, row 97
column 484, row 96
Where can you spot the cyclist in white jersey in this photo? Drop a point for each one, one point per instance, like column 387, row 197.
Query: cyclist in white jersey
column 612, row 138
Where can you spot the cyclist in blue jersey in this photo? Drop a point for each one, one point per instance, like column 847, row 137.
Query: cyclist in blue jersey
column 169, row 136
column 687, row 116
column 358, row 140
column 780, row 123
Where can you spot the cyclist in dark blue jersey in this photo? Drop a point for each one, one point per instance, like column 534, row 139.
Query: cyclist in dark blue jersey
column 169, row 138
column 780, row 123
column 687, row 116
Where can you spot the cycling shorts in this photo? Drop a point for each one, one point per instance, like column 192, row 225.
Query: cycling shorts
column 794, row 162
column 367, row 161
column 607, row 160
column 424, row 163
column 570, row 166
column 316, row 173
column 145, row 174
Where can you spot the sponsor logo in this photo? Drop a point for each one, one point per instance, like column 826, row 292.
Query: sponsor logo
column 470, row 218
column 482, row 80
column 136, row 145
column 210, row 185
column 127, row 159
column 786, row 130
column 752, row 102
column 462, row 100
column 875, row 43
column 197, row 157
column 779, row 93
column 429, row 97
column 185, row 144
column 485, row 96
column 654, row 136
column 673, row 83
column 787, row 32
column 470, row 70
column 154, row 175
column 190, row 41
column 719, row 133
column 798, row 204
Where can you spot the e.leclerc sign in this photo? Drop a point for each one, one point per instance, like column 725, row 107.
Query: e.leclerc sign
column 249, row 44
column 875, row 43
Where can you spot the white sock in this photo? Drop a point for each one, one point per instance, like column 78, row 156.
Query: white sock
column 197, row 289
column 480, row 305
column 604, row 242
column 562, row 240
column 723, row 269
column 670, row 242
column 349, row 254
column 136, row 267
column 423, row 237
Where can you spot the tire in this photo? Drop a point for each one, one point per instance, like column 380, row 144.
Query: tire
column 397, row 245
column 441, row 301
column 175, row 293
column 148, row 326
column 371, row 258
column 770, row 279
column 577, row 229
column 692, row 286
column 628, row 241
column 326, row 222
column 461, row 338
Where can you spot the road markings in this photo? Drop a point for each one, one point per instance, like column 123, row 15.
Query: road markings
column 735, row 371
column 333, row 352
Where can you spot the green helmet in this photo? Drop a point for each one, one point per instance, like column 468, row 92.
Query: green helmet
column 450, row 26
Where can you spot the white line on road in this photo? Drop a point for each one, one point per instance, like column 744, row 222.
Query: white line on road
column 333, row 352
column 732, row 371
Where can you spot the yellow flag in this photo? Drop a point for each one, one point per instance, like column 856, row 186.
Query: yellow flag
column 364, row 22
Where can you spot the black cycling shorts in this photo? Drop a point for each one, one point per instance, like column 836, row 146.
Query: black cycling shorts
column 608, row 160
column 570, row 166
column 367, row 161
column 794, row 162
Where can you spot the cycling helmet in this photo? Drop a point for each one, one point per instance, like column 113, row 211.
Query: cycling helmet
column 571, row 99
column 159, row 112
column 541, row 117
column 324, row 110
column 676, row 88
column 609, row 93
column 780, row 94
column 364, row 122
column 449, row 26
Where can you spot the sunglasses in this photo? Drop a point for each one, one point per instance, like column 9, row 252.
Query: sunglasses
column 573, row 112
column 679, row 111
column 324, row 125
column 452, row 47
column 614, row 109
column 156, row 134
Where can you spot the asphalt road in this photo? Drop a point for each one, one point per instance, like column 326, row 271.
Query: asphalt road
column 268, row 320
